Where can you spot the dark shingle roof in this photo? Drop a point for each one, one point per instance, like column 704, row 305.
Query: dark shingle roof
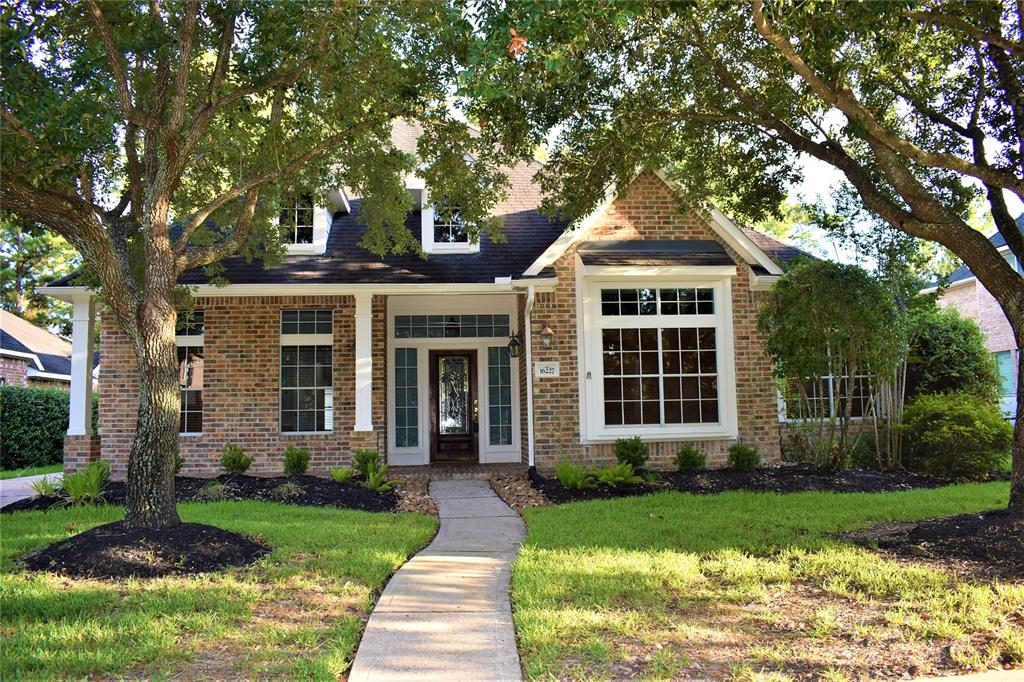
column 779, row 252
column 998, row 240
column 654, row 252
column 8, row 342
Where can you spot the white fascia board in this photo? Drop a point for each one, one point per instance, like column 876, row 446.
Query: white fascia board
column 571, row 236
column 731, row 233
column 952, row 285
column 411, row 289
column 23, row 356
column 763, row 282
column 35, row 373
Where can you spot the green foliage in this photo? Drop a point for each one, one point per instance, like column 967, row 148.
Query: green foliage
column 179, row 462
column 33, row 426
column 212, row 490
column 955, row 436
column 377, row 479
column 342, row 474
column 296, row 461
column 689, row 457
column 45, row 486
column 574, row 476
column 86, row 486
column 234, row 460
column 947, row 354
column 632, row 451
column 31, row 257
column 617, row 474
column 286, row 491
column 365, row 460
column 743, row 457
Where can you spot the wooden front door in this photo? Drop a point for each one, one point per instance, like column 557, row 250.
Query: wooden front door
column 454, row 408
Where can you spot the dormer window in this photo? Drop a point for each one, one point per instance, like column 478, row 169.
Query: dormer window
column 297, row 220
column 449, row 228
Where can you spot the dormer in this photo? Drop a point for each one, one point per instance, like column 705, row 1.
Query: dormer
column 305, row 226
column 441, row 231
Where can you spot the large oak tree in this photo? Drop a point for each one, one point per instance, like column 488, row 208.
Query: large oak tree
column 918, row 104
column 158, row 136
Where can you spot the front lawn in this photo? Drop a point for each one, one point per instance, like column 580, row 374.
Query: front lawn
column 298, row 613
column 31, row 471
column 746, row 585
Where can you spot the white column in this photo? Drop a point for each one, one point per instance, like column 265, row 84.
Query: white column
column 364, row 362
column 82, row 345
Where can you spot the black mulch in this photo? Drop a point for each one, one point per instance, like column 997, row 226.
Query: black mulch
column 315, row 492
column 787, row 478
column 111, row 551
column 993, row 538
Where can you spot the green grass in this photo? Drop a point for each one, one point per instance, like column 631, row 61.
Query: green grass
column 744, row 585
column 31, row 471
column 298, row 613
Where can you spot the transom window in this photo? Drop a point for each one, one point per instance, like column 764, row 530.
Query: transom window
column 687, row 301
column 307, row 368
column 297, row 220
column 189, row 331
column 450, row 228
column 451, row 326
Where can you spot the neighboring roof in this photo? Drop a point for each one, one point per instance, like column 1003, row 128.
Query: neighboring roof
column 654, row 252
column 779, row 252
column 964, row 273
column 48, row 352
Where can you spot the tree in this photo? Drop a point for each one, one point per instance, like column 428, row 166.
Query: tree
column 948, row 354
column 830, row 324
column 918, row 104
column 158, row 137
column 31, row 258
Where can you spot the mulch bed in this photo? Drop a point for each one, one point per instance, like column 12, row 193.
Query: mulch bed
column 111, row 551
column 786, row 478
column 315, row 492
column 994, row 539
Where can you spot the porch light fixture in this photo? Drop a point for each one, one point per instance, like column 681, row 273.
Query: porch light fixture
column 547, row 335
column 513, row 346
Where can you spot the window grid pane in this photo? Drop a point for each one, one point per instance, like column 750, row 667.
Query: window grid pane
column 296, row 222
column 307, row 397
column 307, row 322
column 450, row 229
column 499, row 387
column 645, row 302
column 190, row 323
column 451, row 326
column 406, row 399
column 190, row 380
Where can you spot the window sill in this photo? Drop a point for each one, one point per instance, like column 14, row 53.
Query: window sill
column 306, row 249
column 710, row 432
column 306, row 433
column 189, row 434
column 454, row 248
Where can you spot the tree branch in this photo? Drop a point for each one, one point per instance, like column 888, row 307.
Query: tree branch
column 220, row 69
column 205, row 255
column 188, row 31
column 16, row 125
column 940, row 19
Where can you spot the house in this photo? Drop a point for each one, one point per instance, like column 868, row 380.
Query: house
column 642, row 321
column 966, row 294
column 31, row 356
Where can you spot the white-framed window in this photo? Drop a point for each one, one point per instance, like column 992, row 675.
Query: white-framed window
column 307, row 371
column 189, row 337
column 444, row 231
column 824, row 398
column 296, row 220
column 659, row 359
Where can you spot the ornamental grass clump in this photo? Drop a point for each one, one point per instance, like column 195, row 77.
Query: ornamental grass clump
column 689, row 457
column 365, row 460
column 234, row 460
column 45, row 486
column 342, row 474
column 86, row 486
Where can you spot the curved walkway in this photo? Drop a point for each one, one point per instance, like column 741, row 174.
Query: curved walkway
column 446, row 615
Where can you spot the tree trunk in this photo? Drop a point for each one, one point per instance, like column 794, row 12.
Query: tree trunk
column 150, row 502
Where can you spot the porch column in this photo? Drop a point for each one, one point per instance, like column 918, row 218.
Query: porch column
column 364, row 362
column 82, row 345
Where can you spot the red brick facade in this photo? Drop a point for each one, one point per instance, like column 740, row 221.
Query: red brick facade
column 974, row 301
column 648, row 210
column 14, row 372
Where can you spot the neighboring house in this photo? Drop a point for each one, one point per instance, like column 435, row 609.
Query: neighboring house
column 966, row 294
column 551, row 345
column 31, row 356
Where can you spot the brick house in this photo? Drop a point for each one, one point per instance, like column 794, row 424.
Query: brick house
column 966, row 294
column 641, row 321
column 31, row 356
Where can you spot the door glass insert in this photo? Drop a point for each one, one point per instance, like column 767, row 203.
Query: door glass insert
column 453, row 394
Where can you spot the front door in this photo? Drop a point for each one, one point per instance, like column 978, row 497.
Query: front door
column 454, row 408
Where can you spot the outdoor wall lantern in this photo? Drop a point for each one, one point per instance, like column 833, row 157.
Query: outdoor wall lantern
column 513, row 346
column 547, row 336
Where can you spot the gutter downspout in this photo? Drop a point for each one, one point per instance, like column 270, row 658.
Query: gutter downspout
column 528, row 332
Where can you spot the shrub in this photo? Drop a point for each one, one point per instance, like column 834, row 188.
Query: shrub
column 45, row 486
column 633, row 451
column 179, row 462
column 296, row 461
column 286, row 491
column 574, row 476
column 234, row 460
column 955, row 436
column 341, row 474
column 689, row 457
column 377, row 479
column 212, row 490
column 617, row 474
column 948, row 354
column 86, row 486
column 365, row 460
column 743, row 457
column 33, row 426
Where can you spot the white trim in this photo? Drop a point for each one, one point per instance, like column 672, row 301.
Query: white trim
column 441, row 305
column 35, row 373
column 305, row 339
column 952, row 285
column 741, row 243
column 192, row 340
column 528, row 342
column 82, row 346
column 427, row 226
column 592, row 425
column 364, row 362
column 763, row 282
column 24, row 356
column 571, row 236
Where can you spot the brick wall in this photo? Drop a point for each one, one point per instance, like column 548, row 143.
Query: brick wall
column 13, row 370
column 974, row 301
column 648, row 210
column 240, row 392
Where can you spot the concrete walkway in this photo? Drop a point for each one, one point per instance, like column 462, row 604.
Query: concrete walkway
column 446, row 615
column 14, row 489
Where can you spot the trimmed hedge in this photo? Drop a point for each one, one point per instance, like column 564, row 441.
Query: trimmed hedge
column 33, row 422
